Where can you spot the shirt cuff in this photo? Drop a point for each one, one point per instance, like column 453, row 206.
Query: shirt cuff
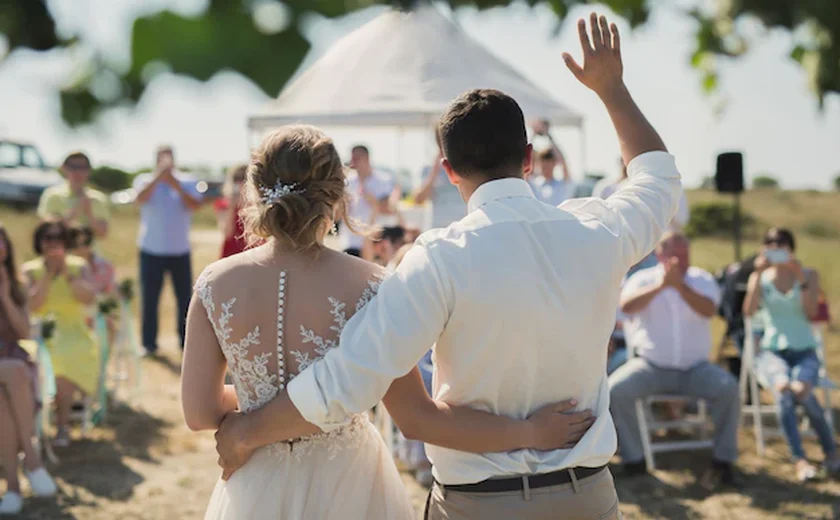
column 657, row 163
column 305, row 393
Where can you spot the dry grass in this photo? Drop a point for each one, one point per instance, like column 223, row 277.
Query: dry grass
column 145, row 465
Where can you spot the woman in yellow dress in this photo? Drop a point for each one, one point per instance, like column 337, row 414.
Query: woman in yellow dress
column 59, row 286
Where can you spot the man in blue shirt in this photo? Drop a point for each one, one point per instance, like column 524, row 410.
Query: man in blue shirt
column 167, row 200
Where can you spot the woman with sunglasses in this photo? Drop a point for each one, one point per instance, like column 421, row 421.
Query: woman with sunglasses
column 18, row 390
column 227, row 212
column 59, row 285
column 785, row 296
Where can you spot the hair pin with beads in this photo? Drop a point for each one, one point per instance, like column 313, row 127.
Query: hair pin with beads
column 281, row 189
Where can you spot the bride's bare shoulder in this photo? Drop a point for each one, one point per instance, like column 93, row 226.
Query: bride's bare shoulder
column 354, row 267
column 235, row 266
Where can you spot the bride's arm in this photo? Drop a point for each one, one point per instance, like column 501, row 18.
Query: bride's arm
column 205, row 397
column 461, row 428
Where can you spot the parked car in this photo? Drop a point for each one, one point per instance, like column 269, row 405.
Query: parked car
column 23, row 174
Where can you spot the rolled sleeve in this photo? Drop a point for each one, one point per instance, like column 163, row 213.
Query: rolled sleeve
column 381, row 342
column 646, row 203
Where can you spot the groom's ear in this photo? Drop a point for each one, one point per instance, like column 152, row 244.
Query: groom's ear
column 528, row 161
column 453, row 176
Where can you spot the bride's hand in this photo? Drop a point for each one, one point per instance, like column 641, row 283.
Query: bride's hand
column 555, row 426
column 233, row 453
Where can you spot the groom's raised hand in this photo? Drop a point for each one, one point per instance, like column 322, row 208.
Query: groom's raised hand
column 602, row 69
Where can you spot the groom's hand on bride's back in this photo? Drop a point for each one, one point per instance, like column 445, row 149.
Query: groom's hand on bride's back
column 558, row 426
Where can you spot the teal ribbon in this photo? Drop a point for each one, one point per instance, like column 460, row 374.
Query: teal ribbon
column 104, row 355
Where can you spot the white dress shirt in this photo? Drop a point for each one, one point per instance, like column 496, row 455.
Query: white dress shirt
column 519, row 300
column 377, row 184
column 606, row 187
column 668, row 332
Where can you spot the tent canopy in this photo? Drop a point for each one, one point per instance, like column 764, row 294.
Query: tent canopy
column 401, row 70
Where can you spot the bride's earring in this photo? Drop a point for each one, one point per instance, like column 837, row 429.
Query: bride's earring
column 334, row 229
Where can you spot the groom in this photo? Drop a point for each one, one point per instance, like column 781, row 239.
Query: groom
column 518, row 298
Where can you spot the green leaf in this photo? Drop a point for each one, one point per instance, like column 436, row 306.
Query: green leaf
column 798, row 53
column 697, row 58
column 710, row 82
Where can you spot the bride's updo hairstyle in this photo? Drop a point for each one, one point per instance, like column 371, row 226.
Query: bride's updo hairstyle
column 294, row 189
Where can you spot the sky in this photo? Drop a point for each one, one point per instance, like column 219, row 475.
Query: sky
column 769, row 114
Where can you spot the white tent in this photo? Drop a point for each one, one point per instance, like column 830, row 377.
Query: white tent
column 401, row 70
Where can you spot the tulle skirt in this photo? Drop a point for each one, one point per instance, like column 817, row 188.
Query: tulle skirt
column 347, row 474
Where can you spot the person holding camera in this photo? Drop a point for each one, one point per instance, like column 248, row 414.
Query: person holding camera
column 785, row 297
column 167, row 201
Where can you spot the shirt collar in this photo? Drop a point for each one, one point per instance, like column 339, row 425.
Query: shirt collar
column 498, row 190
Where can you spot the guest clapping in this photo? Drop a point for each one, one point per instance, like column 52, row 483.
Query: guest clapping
column 59, row 285
column 18, row 383
column 669, row 308
column 74, row 200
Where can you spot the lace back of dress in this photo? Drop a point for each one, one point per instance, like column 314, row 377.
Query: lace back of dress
column 243, row 313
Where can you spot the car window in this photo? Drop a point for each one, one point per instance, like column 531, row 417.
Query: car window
column 32, row 158
column 9, row 155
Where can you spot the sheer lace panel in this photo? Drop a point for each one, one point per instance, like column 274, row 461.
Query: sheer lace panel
column 239, row 308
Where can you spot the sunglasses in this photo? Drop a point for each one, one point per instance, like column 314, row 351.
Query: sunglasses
column 54, row 237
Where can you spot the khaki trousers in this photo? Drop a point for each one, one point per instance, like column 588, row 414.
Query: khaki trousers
column 592, row 498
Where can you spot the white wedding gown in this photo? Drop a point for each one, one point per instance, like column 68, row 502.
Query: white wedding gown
column 271, row 322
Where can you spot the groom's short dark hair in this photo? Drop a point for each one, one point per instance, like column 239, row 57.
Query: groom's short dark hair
column 482, row 133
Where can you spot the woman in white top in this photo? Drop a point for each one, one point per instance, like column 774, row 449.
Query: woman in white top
column 265, row 315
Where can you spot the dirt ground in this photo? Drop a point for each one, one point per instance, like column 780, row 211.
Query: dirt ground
column 145, row 465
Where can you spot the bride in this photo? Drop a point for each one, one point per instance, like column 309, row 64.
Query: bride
column 266, row 314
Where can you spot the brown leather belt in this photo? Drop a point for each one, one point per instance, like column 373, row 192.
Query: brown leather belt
column 555, row 478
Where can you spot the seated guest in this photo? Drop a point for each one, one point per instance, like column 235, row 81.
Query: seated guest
column 668, row 310
column 101, row 271
column 786, row 296
column 18, row 395
column 60, row 286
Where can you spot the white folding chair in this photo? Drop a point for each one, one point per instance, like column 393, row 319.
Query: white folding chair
column 749, row 385
column 125, row 354
column 649, row 425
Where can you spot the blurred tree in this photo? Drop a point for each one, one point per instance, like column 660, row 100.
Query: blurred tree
column 244, row 35
column 765, row 182
column 837, row 182
column 110, row 178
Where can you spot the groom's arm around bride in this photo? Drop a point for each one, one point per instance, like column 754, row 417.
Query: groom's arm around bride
column 518, row 296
